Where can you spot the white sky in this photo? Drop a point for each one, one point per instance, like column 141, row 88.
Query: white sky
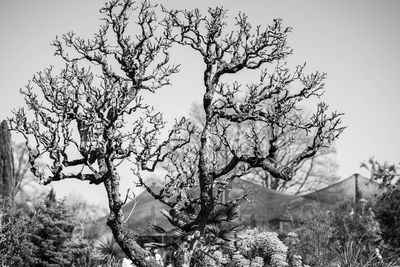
column 355, row 42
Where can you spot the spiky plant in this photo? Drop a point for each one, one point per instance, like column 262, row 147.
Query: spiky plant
column 220, row 228
column 352, row 255
column 109, row 253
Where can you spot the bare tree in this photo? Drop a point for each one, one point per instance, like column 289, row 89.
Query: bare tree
column 272, row 105
column 89, row 116
column 82, row 125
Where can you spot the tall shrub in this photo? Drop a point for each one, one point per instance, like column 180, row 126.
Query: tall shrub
column 45, row 235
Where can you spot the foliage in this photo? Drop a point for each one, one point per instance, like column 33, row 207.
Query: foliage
column 387, row 210
column 43, row 236
column 251, row 248
column 348, row 235
column 352, row 254
column 254, row 245
column 109, row 253
column 53, row 238
column 356, row 222
column 387, row 207
column 219, row 229
column 312, row 240
column 254, row 248
column 15, row 246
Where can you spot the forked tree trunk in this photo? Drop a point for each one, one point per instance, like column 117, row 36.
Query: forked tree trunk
column 7, row 181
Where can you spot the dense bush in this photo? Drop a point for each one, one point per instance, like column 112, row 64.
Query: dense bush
column 255, row 249
column 44, row 235
column 312, row 240
column 15, row 247
column 387, row 207
column 356, row 223
column 387, row 210
column 266, row 246
column 349, row 235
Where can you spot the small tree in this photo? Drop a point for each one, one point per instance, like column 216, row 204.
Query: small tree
column 21, row 173
column 85, row 112
column 54, row 240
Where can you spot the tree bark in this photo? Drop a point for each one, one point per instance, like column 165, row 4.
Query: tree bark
column 125, row 238
column 7, row 181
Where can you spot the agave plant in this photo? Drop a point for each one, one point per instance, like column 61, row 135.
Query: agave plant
column 109, row 253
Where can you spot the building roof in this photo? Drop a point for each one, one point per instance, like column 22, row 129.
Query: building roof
column 352, row 188
column 346, row 188
column 264, row 204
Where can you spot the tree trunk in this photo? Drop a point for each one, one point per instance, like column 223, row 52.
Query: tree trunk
column 123, row 236
column 205, row 179
column 7, row 182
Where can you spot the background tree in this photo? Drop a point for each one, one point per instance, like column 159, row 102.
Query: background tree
column 387, row 210
column 313, row 240
column 21, row 171
column 27, row 191
column 7, row 181
column 109, row 253
column 348, row 235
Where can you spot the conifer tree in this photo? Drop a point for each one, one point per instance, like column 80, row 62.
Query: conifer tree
column 44, row 236
column 54, row 238
column 7, row 181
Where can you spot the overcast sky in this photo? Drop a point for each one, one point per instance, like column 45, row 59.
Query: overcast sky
column 355, row 42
